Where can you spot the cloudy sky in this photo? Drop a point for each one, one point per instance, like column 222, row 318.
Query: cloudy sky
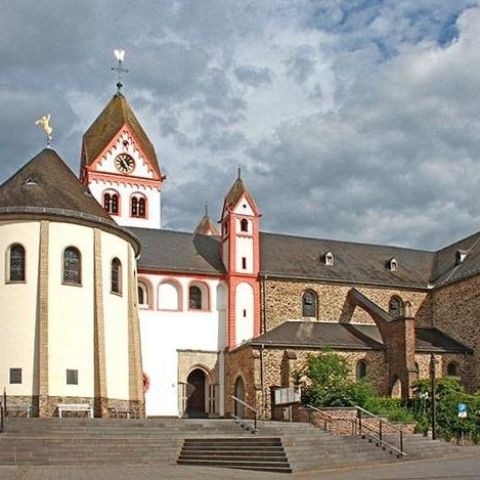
column 355, row 120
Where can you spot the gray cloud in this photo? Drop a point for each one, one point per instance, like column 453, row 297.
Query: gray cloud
column 352, row 120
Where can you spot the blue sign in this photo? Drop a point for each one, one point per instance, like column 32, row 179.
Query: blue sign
column 462, row 410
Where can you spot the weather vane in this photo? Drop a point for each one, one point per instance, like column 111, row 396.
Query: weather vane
column 45, row 123
column 120, row 56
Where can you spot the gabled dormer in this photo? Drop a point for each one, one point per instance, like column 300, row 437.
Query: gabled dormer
column 120, row 167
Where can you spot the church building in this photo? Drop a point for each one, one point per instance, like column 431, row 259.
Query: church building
column 102, row 305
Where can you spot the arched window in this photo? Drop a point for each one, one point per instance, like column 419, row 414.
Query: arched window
column 142, row 295
column 111, row 203
column 170, row 295
column 116, row 276
column 309, row 304
column 72, row 266
column 452, row 369
column 195, row 298
column 138, row 206
column 395, row 307
column 361, row 370
column 244, row 225
column 16, row 263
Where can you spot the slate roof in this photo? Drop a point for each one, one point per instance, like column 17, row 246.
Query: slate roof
column 47, row 184
column 114, row 116
column 308, row 334
column 179, row 251
column 298, row 257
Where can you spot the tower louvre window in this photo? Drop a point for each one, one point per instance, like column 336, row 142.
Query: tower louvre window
column 138, row 207
column 244, row 225
column 111, row 203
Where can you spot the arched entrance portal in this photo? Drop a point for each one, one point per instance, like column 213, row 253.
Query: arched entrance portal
column 239, row 409
column 196, row 394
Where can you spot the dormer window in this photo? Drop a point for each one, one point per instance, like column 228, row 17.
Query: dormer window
column 328, row 259
column 460, row 256
column 392, row 265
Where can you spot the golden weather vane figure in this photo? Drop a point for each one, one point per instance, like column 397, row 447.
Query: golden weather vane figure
column 44, row 121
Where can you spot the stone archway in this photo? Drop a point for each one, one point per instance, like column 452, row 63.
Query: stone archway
column 196, row 387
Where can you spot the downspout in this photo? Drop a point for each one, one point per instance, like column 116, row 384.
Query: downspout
column 262, row 346
column 264, row 312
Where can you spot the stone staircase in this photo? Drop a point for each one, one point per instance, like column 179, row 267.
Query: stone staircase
column 278, row 446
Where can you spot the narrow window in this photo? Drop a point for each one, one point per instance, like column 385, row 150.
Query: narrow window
column 244, row 263
column 106, row 202
column 72, row 266
column 309, row 304
column 114, row 204
column 244, row 225
column 195, row 298
column 141, row 208
column 361, row 369
column 244, row 313
column 17, row 263
column 395, row 307
column 134, row 207
column 452, row 369
column 72, row 377
column 142, row 297
column 15, row 375
column 116, row 286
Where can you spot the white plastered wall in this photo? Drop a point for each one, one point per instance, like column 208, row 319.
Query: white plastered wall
column 70, row 318
column 18, row 303
column 244, row 312
column 116, row 317
column 244, row 250
column 125, row 191
column 163, row 332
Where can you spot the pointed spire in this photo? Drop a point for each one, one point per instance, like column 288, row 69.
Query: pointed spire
column 239, row 172
column 206, row 225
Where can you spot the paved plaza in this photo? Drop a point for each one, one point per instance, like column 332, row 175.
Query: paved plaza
column 448, row 468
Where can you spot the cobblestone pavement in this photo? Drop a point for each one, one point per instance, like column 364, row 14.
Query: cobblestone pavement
column 465, row 467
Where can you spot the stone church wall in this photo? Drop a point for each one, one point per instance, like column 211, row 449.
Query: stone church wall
column 456, row 311
column 283, row 301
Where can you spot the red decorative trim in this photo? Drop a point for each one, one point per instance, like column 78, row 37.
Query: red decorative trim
column 112, row 144
column 199, row 276
column 119, row 179
column 146, row 383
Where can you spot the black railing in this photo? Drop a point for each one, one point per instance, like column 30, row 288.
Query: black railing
column 373, row 427
column 366, row 425
column 242, row 421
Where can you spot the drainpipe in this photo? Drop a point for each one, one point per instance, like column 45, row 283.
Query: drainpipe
column 264, row 294
column 262, row 346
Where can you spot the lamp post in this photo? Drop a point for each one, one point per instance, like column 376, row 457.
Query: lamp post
column 433, row 384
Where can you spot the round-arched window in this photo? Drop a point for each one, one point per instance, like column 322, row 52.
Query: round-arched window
column 395, row 307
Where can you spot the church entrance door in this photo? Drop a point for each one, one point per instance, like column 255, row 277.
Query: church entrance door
column 196, row 394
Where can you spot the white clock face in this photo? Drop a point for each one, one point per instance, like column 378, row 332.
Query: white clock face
column 124, row 163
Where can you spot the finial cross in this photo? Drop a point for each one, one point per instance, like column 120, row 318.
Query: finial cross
column 120, row 56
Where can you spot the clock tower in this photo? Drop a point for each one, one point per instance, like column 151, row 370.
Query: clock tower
column 119, row 165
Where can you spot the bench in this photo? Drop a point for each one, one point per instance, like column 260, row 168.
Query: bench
column 75, row 407
column 19, row 408
column 128, row 412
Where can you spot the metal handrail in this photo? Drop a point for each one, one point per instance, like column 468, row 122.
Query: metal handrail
column 378, row 435
column 245, row 404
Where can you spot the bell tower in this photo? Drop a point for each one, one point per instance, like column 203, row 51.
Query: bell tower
column 240, row 234
column 119, row 164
